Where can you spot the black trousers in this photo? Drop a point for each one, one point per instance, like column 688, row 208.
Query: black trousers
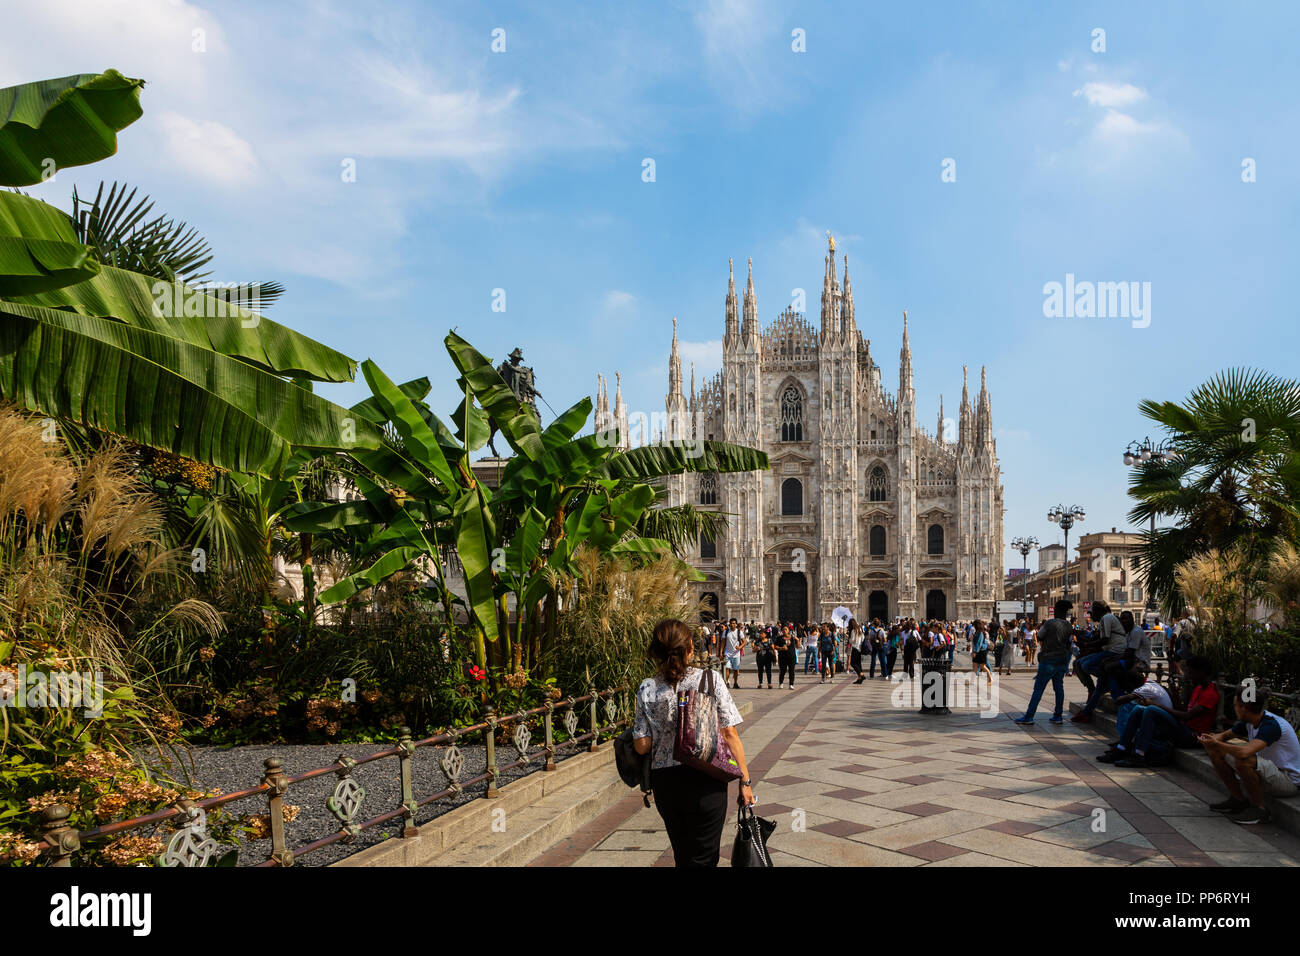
column 787, row 661
column 765, row 664
column 909, row 663
column 855, row 661
column 694, row 808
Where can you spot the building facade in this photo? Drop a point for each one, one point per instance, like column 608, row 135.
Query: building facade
column 862, row 506
column 1105, row 568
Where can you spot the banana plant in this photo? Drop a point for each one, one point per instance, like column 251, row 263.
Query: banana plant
column 559, row 492
column 159, row 362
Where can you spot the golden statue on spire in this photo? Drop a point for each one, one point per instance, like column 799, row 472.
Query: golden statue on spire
column 832, row 240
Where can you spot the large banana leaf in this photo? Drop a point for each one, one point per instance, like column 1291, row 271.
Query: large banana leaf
column 169, row 308
column 475, row 535
column 421, row 443
column 38, row 248
column 415, row 390
column 72, row 120
column 515, row 419
column 384, row 568
column 163, row 392
column 674, row 458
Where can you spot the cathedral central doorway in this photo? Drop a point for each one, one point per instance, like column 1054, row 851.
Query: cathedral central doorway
column 792, row 597
column 878, row 607
column 936, row 605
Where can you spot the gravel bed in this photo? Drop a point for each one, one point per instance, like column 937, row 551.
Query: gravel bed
column 241, row 768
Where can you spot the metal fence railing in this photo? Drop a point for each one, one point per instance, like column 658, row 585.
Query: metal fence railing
column 190, row 844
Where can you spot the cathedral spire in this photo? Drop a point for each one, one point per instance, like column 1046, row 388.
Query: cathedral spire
column 905, row 359
column 846, row 309
column 830, row 291
column 733, row 313
column 675, row 366
column 939, row 429
column 620, row 412
column 965, row 424
column 750, row 327
column 984, row 416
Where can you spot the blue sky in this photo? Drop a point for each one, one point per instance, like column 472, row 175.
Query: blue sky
column 522, row 171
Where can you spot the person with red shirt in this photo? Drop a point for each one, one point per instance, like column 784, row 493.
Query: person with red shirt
column 1153, row 727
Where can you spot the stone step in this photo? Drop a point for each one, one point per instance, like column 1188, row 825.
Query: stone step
column 1285, row 810
column 527, row 832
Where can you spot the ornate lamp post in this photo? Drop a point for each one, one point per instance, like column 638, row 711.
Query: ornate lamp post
column 1065, row 518
column 1024, row 546
column 1137, row 454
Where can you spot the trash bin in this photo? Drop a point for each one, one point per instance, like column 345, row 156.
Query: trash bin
column 934, row 684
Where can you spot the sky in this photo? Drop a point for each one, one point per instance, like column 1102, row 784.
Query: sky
column 401, row 177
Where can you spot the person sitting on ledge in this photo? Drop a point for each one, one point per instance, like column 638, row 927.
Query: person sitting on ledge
column 1153, row 726
column 1269, row 762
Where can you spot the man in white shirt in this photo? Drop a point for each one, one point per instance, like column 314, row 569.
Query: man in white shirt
column 733, row 644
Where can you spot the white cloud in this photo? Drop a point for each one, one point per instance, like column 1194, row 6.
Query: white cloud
column 707, row 357
column 1111, row 94
column 617, row 299
column 212, row 152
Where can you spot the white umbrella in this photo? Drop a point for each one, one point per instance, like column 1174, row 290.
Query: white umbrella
column 841, row 616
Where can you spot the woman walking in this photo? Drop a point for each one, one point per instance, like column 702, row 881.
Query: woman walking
column 763, row 656
column 980, row 652
column 783, row 643
column 693, row 805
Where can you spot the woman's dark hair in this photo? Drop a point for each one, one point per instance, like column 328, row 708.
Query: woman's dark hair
column 1127, row 620
column 672, row 646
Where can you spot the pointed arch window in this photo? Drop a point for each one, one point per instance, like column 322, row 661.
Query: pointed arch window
column 792, row 497
column 708, row 547
column 878, row 484
column 791, row 415
column 708, row 488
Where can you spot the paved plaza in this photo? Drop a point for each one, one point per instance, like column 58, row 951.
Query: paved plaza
column 878, row 785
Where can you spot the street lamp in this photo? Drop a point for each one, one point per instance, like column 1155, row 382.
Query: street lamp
column 1024, row 546
column 1065, row 518
column 1137, row 454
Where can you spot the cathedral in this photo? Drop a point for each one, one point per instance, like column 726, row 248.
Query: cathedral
column 862, row 506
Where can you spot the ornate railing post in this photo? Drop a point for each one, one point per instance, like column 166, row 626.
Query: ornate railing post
column 409, row 829
column 490, row 735
column 345, row 802
column 550, row 737
column 275, row 779
column 595, row 726
column 61, row 838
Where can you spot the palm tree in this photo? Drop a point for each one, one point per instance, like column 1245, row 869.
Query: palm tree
column 1233, row 480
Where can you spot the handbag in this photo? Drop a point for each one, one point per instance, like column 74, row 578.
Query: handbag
column 699, row 742
column 752, row 832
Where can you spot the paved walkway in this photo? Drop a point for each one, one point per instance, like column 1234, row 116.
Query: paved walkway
column 853, row 780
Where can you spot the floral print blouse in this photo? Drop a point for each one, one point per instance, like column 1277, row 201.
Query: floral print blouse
column 656, row 713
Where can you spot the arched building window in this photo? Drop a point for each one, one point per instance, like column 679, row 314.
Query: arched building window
column 791, row 415
column 878, row 483
column 877, row 539
column 792, row 497
column 708, row 488
column 708, row 547
column 935, row 539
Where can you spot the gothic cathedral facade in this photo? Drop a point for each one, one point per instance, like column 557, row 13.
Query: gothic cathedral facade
column 862, row 507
